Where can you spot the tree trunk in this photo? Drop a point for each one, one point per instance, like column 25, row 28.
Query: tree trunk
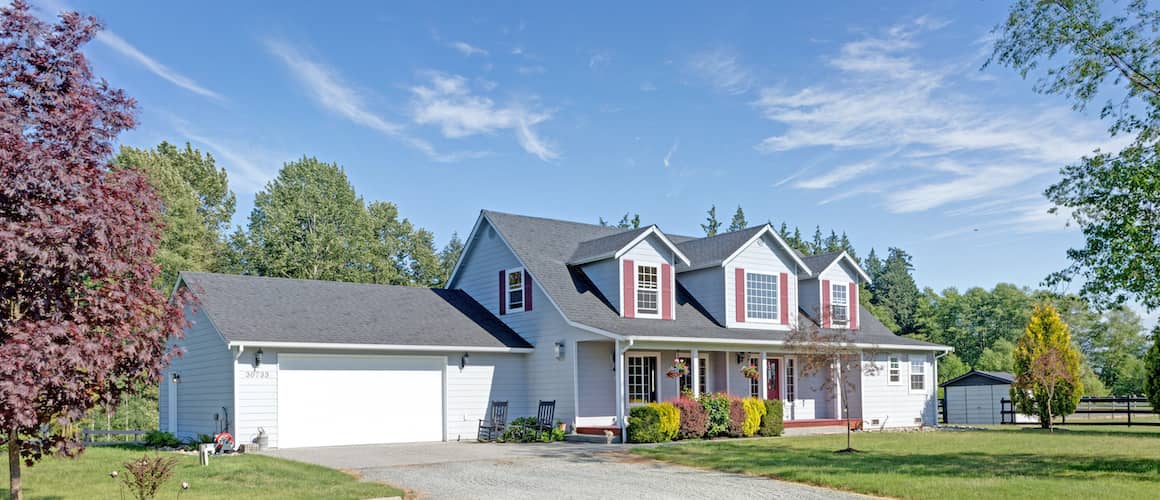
column 14, row 491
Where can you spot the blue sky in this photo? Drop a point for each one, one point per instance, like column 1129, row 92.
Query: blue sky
column 868, row 117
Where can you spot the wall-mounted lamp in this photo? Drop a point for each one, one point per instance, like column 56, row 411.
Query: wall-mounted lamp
column 740, row 357
column 175, row 378
column 463, row 360
column 559, row 349
column 258, row 358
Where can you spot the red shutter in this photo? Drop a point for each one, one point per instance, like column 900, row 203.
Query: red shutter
column 502, row 292
column 739, row 293
column 527, row 291
column 783, row 298
column 825, row 303
column 628, row 295
column 853, row 300
column 666, row 291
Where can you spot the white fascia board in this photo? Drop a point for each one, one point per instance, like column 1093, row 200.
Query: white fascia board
column 782, row 343
column 845, row 256
column 653, row 229
column 374, row 347
column 767, row 229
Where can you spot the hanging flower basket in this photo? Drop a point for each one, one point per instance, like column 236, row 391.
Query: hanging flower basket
column 679, row 369
column 750, row 372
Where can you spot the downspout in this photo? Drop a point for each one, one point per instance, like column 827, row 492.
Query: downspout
column 234, row 388
column 621, row 405
column 936, row 398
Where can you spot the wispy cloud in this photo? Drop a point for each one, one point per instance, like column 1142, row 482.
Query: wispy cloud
column 447, row 101
column 530, row 70
column 115, row 42
column 249, row 167
column 720, row 67
column 330, row 92
column 468, row 49
column 647, row 86
column 884, row 100
column 599, row 60
column 673, row 149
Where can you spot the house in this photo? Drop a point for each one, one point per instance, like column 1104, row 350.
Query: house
column 588, row 316
column 976, row 397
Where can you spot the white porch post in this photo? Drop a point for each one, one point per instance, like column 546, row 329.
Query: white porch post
column 763, row 387
column 620, row 380
column 696, row 373
column 838, row 386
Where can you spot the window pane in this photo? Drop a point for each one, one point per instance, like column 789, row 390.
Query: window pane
column 516, row 290
column 790, row 383
column 516, row 299
column 642, row 379
column 646, row 289
column 761, row 301
column 754, row 383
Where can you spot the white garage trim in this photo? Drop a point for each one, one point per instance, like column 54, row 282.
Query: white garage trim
column 338, row 365
column 377, row 347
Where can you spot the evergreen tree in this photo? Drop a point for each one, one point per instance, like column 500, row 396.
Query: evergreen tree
column 1047, row 368
column 873, row 266
column 738, row 223
column 627, row 222
column 711, row 224
column 832, row 244
column 449, row 256
column 895, row 290
column 603, row 222
column 818, row 245
column 798, row 242
column 844, row 242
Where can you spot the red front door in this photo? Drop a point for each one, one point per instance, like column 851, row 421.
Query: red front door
column 773, row 385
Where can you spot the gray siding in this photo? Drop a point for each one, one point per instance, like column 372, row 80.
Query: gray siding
column 841, row 273
column 597, row 382
column 206, row 379
column 760, row 257
column 810, row 297
column 548, row 378
column 707, row 286
column 605, row 275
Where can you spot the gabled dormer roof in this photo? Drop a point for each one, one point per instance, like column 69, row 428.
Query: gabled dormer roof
column 615, row 245
column 722, row 248
column 820, row 263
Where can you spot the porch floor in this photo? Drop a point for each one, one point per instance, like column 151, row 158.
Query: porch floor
column 855, row 423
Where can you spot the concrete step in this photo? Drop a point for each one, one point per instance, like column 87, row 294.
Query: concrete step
column 589, row 438
column 809, row 431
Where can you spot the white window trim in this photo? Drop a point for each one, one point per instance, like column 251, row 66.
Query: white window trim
column 844, row 287
column 754, row 361
column 786, row 361
column 705, row 363
column 776, row 306
column 656, row 376
column 508, row 290
column 901, row 376
column 910, row 373
column 636, row 265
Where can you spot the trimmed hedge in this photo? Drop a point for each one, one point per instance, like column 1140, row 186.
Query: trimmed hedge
column 717, row 413
column 736, row 417
column 670, row 423
column 754, row 410
column 771, row 422
column 694, row 421
column 653, row 423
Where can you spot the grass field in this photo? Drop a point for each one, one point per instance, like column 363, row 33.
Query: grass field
column 1079, row 462
column 243, row 476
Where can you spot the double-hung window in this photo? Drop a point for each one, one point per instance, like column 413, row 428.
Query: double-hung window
column 917, row 374
column 515, row 290
column 790, row 382
column 894, row 370
column 761, row 301
column 755, row 383
column 839, row 303
column 647, row 289
column 642, row 379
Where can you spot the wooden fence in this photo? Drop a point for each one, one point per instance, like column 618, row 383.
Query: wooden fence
column 1113, row 410
column 113, row 437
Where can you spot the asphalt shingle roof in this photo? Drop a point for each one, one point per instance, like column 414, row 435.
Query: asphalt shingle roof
column 819, row 263
column 251, row 308
column 545, row 246
column 1000, row 377
column 605, row 246
column 705, row 252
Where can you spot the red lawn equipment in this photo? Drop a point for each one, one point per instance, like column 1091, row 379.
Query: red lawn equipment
column 223, row 441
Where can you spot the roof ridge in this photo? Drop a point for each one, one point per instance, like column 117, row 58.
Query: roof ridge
column 309, row 280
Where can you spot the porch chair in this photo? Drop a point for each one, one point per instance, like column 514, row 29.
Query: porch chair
column 544, row 419
column 494, row 426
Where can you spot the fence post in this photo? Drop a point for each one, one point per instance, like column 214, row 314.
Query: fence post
column 1129, row 411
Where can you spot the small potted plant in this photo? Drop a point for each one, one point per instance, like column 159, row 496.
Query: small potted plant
column 679, row 369
column 750, row 372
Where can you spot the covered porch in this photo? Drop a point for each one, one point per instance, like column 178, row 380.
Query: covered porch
column 614, row 376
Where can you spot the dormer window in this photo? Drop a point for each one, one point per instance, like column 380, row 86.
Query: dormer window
column 647, row 289
column 840, row 304
column 515, row 289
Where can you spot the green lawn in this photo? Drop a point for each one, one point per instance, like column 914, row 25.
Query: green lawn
column 243, row 476
column 1082, row 462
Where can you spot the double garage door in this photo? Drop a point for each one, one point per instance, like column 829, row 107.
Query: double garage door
column 332, row 400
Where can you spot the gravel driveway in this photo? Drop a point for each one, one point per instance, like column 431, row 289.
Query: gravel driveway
column 553, row 471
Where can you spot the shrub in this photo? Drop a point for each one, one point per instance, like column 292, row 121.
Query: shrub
column 159, row 439
column 670, row 423
column 693, row 420
column 736, row 417
column 644, row 425
column 754, row 410
column 771, row 423
column 147, row 474
column 716, row 413
column 511, row 435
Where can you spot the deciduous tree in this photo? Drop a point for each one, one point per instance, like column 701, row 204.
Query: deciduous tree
column 80, row 322
column 1152, row 371
column 1049, row 387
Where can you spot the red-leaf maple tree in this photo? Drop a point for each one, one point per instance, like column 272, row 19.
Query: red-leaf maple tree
column 80, row 323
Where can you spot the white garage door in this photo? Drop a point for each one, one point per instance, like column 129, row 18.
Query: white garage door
column 344, row 400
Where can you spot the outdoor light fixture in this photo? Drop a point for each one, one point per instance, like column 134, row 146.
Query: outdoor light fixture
column 258, row 358
column 463, row 360
column 559, row 349
column 175, row 378
column 740, row 357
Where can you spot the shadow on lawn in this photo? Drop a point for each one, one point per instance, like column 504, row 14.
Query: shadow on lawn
column 792, row 462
